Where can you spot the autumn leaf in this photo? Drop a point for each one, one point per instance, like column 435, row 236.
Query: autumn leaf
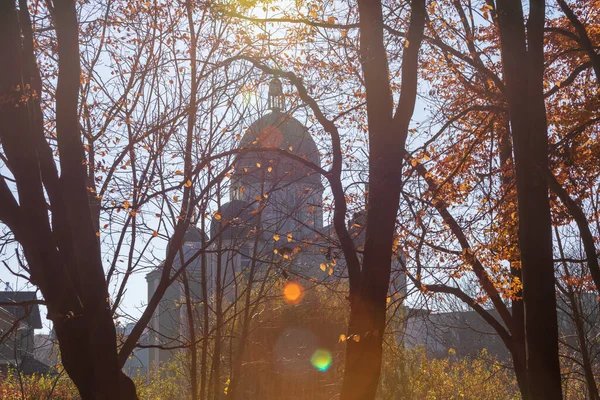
column 155, row 233
column 178, row 172
column 323, row 267
column 276, row 237
column 342, row 338
column 188, row 183
column 289, row 237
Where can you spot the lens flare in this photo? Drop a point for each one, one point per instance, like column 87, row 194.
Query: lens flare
column 293, row 293
column 321, row 359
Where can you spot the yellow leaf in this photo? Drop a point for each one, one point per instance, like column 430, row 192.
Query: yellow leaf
column 188, row 183
column 388, row 300
column 356, row 338
column 270, row 169
column 289, row 237
column 178, row 172
column 126, row 205
column 291, row 148
column 330, row 271
column 257, row 165
column 275, row 251
column 413, row 162
column 217, row 216
column 331, row 20
column 342, row 338
column 323, row 267
column 406, row 44
column 276, row 237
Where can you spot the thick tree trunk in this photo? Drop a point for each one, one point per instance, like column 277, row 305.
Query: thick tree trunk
column 387, row 137
column 63, row 254
column 522, row 56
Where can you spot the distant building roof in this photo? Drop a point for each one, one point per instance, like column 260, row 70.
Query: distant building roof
column 31, row 312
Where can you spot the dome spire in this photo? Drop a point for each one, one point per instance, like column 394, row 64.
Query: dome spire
column 276, row 99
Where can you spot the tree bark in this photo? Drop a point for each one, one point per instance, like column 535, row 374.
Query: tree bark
column 62, row 250
column 387, row 137
column 523, row 63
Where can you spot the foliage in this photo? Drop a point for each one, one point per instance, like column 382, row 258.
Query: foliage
column 411, row 375
column 36, row 387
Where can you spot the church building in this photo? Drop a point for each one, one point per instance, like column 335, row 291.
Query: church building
column 271, row 231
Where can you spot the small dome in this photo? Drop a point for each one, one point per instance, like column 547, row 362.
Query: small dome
column 194, row 234
column 278, row 130
column 236, row 222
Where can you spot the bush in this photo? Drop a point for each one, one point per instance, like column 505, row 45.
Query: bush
column 36, row 387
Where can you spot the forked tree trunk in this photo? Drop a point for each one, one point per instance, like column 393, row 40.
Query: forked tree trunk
column 387, row 137
column 62, row 250
column 523, row 63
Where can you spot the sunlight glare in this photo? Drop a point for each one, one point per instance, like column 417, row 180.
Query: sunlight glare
column 321, row 359
column 293, row 293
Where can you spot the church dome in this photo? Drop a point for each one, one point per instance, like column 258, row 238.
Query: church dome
column 236, row 221
column 278, row 130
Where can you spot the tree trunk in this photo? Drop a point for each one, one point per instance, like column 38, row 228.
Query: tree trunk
column 387, row 137
column 63, row 253
column 523, row 61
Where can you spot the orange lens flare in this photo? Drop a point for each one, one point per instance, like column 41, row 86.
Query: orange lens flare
column 293, row 293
